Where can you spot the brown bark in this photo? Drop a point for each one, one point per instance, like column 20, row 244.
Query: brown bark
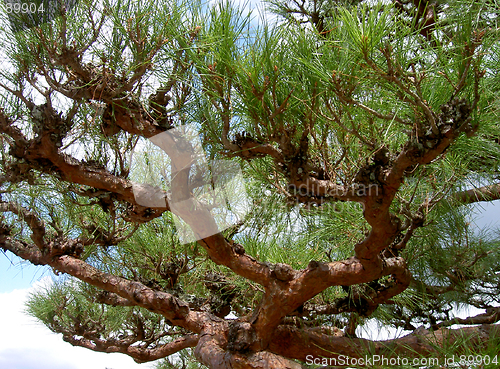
column 210, row 351
column 139, row 354
column 485, row 193
column 294, row 343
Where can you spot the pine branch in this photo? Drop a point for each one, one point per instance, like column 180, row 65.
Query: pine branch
column 138, row 353
column 485, row 193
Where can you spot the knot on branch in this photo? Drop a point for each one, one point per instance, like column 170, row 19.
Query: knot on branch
column 238, row 248
column 374, row 173
column 108, row 122
column 5, row 230
column 241, row 336
column 170, row 271
column 247, row 143
column 455, row 114
column 157, row 106
column 46, row 121
column 313, row 264
column 369, row 174
column 382, row 156
column 223, row 293
column 60, row 247
column 283, row 272
column 453, row 119
column 141, row 214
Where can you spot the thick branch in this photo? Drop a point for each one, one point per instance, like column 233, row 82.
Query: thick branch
column 283, row 299
column 485, row 193
column 199, row 218
column 298, row 343
column 220, row 250
column 209, row 352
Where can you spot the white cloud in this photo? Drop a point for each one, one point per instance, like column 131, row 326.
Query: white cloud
column 27, row 344
column 373, row 331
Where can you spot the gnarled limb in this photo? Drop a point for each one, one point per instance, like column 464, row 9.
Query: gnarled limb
column 55, row 254
column 159, row 302
column 44, row 149
column 491, row 316
column 138, row 353
column 485, row 193
column 299, row 343
column 209, row 351
column 284, row 297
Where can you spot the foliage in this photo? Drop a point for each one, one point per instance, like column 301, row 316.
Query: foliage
column 359, row 128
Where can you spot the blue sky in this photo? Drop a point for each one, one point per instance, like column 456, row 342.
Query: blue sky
column 16, row 274
column 488, row 214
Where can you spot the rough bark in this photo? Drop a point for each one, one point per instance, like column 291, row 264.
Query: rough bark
column 485, row 193
column 288, row 341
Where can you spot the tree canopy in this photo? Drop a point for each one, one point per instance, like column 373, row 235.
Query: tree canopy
column 225, row 192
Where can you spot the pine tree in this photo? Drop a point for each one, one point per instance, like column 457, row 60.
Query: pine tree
column 218, row 191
